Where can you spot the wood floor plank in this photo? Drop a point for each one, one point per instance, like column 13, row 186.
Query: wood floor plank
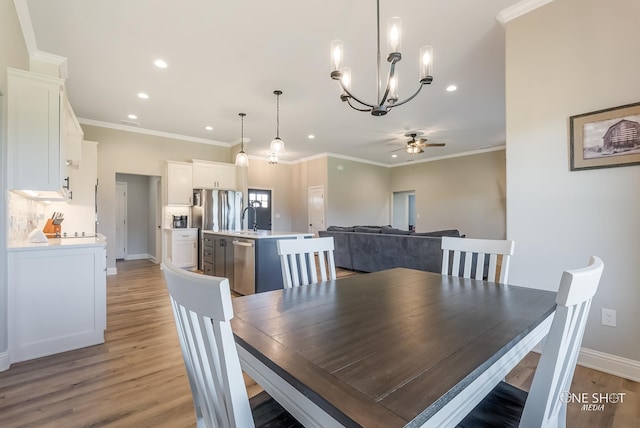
column 137, row 377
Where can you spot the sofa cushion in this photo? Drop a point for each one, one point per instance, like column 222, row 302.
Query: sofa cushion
column 341, row 228
column 394, row 231
column 448, row 232
column 368, row 229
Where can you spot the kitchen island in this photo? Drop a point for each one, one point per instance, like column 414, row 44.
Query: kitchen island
column 248, row 258
column 57, row 296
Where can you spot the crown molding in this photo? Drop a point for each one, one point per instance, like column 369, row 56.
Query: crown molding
column 127, row 128
column 24, row 16
column 521, row 8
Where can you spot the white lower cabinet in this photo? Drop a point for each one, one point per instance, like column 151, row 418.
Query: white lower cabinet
column 57, row 300
column 183, row 247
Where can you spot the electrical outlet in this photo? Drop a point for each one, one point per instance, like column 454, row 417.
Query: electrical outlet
column 609, row 317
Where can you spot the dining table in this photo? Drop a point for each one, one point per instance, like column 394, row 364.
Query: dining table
column 394, row 348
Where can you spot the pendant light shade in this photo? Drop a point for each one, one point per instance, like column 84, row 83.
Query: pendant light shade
column 277, row 145
column 241, row 158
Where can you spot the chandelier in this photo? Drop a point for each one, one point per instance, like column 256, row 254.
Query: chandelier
column 241, row 158
column 277, row 145
column 387, row 98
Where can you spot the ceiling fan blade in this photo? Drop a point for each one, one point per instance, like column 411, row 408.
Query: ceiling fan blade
column 397, row 150
column 433, row 145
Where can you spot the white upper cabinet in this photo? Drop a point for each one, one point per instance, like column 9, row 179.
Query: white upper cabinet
column 213, row 175
column 72, row 134
column 36, row 157
column 44, row 136
column 179, row 183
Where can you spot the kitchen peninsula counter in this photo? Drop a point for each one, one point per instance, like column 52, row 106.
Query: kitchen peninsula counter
column 53, row 243
column 57, row 296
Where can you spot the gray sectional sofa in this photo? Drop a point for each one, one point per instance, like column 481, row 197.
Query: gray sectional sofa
column 374, row 248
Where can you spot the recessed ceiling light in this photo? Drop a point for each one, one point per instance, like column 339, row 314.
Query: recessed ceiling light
column 451, row 88
column 160, row 63
column 143, row 96
column 132, row 116
column 209, row 128
column 394, row 156
column 311, row 136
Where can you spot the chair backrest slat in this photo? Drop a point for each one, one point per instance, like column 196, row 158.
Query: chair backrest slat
column 544, row 407
column 302, row 259
column 202, row 310
column 472, row 256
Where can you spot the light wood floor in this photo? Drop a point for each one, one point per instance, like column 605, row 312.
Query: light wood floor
column 137, row 377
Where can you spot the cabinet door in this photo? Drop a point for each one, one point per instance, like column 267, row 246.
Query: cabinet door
column 226, row 176
column 184, row 248
column 72, row 135
column 179, row 183
column 204, row 176
column 34, row 149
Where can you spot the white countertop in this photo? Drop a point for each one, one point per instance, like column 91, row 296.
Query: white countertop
column 54, row 243
column 259, row 234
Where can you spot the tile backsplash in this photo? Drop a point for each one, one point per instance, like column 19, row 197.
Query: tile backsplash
column 24, row 216
column 169, row 212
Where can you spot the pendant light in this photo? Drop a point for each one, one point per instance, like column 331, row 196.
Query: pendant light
column 241, row 158
column 277, row 145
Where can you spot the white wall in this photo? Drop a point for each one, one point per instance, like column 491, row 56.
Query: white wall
column 13, row 53
column 566, row 58
column 135, row 153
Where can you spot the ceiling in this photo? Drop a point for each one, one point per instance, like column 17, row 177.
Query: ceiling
column 227, row 57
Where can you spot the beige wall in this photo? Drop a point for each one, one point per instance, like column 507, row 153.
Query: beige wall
column 357, row 193
column 134, row 153
column 13, row 53
column 566, row 58
column 465, row 193
column 309, row 173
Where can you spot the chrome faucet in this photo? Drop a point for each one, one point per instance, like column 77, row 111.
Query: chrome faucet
column 255, row 216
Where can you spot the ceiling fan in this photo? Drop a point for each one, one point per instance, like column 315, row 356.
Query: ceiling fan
column 415, row 146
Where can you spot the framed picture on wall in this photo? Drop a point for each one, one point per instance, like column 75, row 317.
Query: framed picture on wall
column 605, row 138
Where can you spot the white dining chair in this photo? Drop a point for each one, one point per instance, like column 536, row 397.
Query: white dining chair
column 302, row 259
column 202, row 310
column 486, row 253
column 508, row 406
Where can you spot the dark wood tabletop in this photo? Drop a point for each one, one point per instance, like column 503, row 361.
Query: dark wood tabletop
column 384, row 348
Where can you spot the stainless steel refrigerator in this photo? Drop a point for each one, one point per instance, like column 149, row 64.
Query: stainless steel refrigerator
column 215, row 210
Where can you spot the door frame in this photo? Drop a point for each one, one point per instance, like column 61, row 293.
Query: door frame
column 121, row 185
column 271, row 201
column 311, row 228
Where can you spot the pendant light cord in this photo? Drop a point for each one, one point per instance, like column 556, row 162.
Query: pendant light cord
column 277, row 115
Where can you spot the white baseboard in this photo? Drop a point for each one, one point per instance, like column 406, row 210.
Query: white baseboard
column 112, row 271
column 606, row 363
column 137, row 257
column 4, row 361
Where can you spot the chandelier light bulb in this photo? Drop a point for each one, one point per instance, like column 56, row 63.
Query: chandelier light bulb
column 336, row 54
column 426, row 64
column 394, row 34
column 393, row 89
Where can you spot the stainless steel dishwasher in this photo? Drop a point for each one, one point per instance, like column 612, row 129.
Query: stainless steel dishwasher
column 244, row 264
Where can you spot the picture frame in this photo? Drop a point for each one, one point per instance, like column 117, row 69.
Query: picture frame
column 605, row 138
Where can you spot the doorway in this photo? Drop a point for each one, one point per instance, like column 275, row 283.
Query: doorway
column 404, row 210
column 260, row 199
column 138, row 217
column 316, row 209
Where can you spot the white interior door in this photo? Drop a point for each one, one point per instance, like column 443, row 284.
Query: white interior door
column 316, row 209
column 121, row 220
